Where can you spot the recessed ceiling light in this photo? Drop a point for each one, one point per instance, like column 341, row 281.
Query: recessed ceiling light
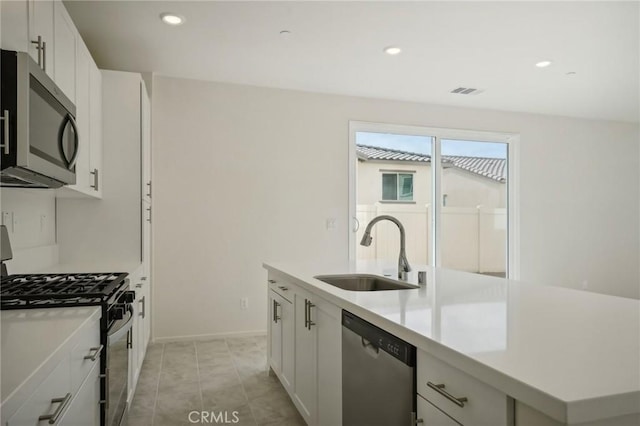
column 392, row 50
column 171, row 18
column 543, row 64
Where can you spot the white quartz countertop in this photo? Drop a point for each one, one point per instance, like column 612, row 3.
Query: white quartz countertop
column 31, row 338
column 571, row 354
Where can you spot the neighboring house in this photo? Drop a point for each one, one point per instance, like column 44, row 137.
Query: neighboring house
column 393, row 176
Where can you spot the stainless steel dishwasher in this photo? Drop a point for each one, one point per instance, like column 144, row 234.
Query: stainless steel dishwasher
column 378, row 376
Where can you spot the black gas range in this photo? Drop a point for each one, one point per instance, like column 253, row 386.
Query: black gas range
column 107, row 290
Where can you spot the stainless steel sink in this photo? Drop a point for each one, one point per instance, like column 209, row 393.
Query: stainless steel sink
column 364, row 282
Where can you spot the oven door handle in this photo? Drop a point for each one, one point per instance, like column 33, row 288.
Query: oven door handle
column 122, row 331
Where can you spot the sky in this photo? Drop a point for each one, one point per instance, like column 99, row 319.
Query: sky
column 422, row 145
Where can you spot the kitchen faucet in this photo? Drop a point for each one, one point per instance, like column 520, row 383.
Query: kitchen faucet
column 403, row 263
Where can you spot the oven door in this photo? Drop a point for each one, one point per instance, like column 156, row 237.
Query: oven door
column 118, row 343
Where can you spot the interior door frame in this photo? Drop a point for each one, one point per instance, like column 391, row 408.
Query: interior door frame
column 513, row 166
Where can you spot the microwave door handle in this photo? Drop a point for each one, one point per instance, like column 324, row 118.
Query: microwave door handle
column 61, row 139
column 76, row 141
column 69, row 162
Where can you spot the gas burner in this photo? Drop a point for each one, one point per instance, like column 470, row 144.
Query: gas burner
column 53, row 290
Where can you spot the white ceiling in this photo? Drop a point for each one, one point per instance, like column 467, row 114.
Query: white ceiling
column 336, row 47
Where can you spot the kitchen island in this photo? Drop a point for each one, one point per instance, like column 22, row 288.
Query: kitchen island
column 561, row 356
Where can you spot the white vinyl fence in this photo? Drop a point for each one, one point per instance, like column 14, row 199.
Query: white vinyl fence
column 473, row 239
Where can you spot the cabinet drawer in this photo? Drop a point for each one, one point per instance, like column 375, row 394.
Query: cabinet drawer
column 484, row 405
column 281, row 287
column 86, row 353
column 52, row 397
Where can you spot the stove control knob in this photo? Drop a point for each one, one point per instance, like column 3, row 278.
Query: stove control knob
column 116, row 313
column 129, row 296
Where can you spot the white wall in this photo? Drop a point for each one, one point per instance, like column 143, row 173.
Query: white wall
column 31, row 223
column 245, row 174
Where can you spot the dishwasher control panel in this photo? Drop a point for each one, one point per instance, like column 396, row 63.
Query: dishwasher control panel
column 380, row 339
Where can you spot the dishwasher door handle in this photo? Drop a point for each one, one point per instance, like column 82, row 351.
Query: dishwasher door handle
column 367, row 344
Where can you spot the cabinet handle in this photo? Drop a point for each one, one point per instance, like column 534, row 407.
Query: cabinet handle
column 44, row 55
column 95, row 174
column 275, row 311
column 53, row 418
column 440, row 389
column 143, row 278
column 5, row 118
column 283, row 288
column 95, row 354
column 272, row 281
column 149, row 210
column 149, row 185
column 139, row 285
column 310, row 323
column 39, row 47
column 306, row 313
column 144, row 307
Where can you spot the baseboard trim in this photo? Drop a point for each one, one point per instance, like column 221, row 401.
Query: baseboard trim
column 210, row 336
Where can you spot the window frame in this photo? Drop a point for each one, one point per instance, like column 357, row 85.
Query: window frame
column 513, row 166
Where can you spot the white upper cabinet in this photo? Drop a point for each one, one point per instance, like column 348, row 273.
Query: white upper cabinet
column 14, row 27
column 146, row 144
column 64, row 50
column 44, row 29
column 41, row 33
column 83, row 119
column 95, row 128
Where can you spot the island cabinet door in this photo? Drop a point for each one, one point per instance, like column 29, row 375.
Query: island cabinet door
column 429, row 415
column 275, row 332
column 287, row 322
column 305, row 365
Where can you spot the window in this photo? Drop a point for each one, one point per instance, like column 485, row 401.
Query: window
column 397, row 187
column 454, row 191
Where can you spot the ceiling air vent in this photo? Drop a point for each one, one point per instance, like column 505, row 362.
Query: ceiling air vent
column 467, row 91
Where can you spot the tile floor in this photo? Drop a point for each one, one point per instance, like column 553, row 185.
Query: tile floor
column 212, row 376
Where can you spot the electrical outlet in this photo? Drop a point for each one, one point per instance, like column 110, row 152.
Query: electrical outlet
column 331, row 223
column 244, row 303
column 6, row 220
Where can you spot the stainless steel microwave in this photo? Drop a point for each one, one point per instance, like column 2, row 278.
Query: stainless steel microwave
column 39, row 136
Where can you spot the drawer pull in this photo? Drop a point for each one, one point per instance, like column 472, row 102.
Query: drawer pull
column 283, row 288
column 53, row 418
column 440, row 389
column 95, row 354
column 272, row 281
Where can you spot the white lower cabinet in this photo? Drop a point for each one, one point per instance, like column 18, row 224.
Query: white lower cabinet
column 85, row 408
column 281, row 322
column 460, row 396
column 304, row 351
column 70, row 394
column 431, row 415
column 141, row 327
